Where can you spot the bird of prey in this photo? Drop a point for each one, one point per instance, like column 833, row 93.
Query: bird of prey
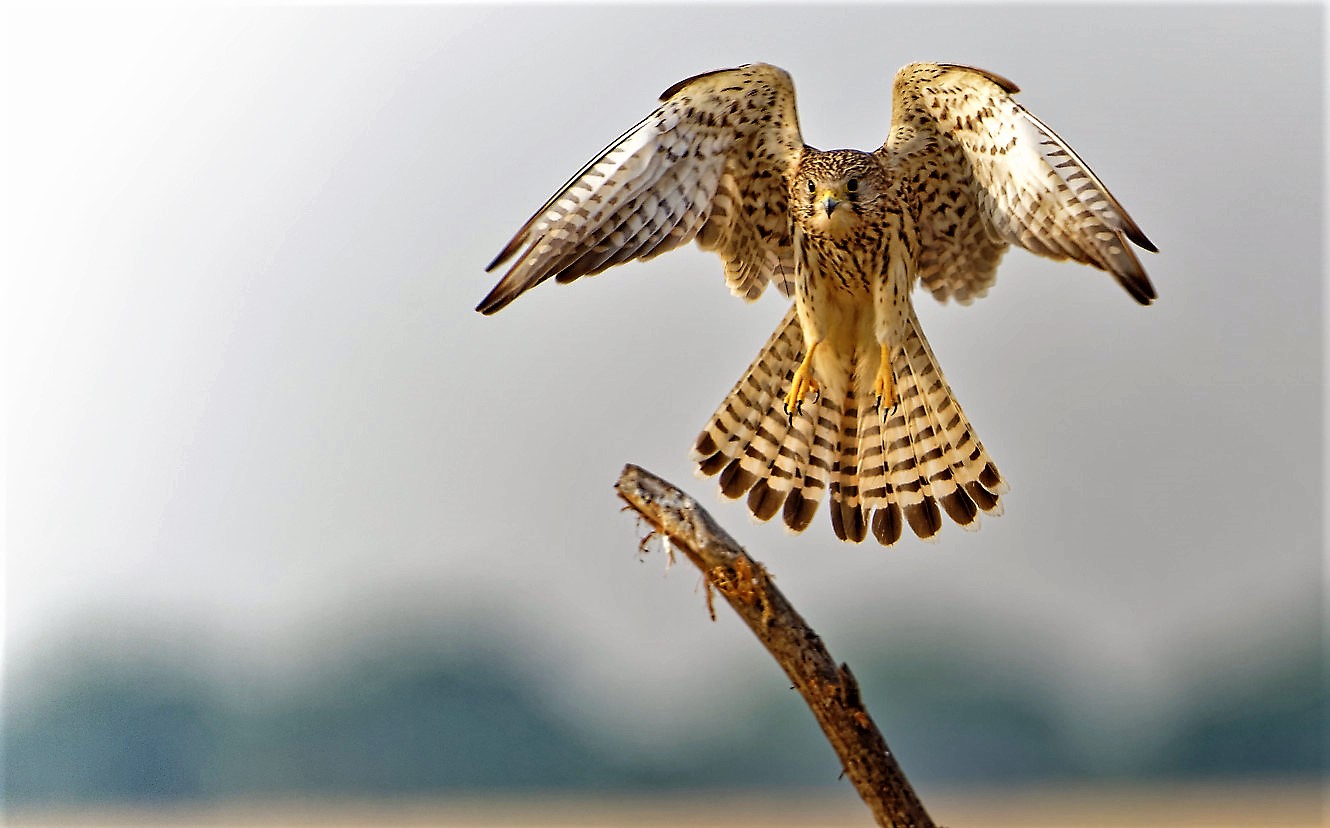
column 845, row 400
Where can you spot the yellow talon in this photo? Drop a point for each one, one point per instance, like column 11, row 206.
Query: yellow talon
column 885, row 384
column 802, row 384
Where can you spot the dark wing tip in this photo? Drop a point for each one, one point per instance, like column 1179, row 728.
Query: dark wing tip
column 676, row 88
column 1133, row 276
column 501, row 295
column 492, row 303
column 1134, row 233
column 1129, row 273
column 509, row 249
column 505, row 291
column 1006, row 85
column 1141, row 289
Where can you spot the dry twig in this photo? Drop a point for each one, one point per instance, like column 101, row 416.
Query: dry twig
column 831, row 691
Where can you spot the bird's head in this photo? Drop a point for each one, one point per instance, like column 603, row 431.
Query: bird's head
column 834, row 191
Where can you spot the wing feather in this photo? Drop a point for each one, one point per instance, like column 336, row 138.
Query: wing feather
column 711, row 164
column 986, row 173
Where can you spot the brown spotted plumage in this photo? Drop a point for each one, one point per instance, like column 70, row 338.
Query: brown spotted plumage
column 845, row 401
column 709, row 164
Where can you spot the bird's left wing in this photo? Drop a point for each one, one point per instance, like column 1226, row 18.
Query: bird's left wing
column 709, row 164
column 986, row 173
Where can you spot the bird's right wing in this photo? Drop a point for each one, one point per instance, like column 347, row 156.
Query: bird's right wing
column 987, row 173
column 710, row 164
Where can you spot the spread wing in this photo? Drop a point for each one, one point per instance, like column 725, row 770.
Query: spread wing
column 709, row 164
column 985, row 173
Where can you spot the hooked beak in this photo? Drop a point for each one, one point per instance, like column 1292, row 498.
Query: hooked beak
column 827, row 201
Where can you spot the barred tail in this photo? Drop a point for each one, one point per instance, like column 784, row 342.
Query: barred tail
column 924, row 454
column 883, row 469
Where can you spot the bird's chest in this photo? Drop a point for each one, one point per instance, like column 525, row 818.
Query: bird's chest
column 850, row 267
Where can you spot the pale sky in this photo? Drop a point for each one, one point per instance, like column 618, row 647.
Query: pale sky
column 249, row 394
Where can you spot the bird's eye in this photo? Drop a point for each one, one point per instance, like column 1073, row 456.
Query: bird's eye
column 812, row 188
column 852, row 186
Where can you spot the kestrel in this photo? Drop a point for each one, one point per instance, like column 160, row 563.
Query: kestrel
column 846, row 398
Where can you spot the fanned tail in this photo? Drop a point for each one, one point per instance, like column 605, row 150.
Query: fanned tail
column 923, row 458
column 883, row 470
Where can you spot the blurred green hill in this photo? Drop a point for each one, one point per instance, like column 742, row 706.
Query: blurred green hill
column 414, row 718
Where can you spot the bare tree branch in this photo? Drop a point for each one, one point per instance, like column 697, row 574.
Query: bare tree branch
column 830, row 690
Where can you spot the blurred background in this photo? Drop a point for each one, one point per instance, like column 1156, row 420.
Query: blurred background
column 288, row 521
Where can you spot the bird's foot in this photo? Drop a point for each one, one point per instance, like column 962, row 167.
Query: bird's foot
column 801, row 386
column 885, row 385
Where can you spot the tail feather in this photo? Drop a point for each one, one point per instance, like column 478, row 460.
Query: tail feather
column 847, row 513
column 932, row 468
column 806, row 467
column 783, row 462
column 750, row 402
column 778, row 452
column 950, row 468
column 972, row 469
column 781, row 444
column 882, row 470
